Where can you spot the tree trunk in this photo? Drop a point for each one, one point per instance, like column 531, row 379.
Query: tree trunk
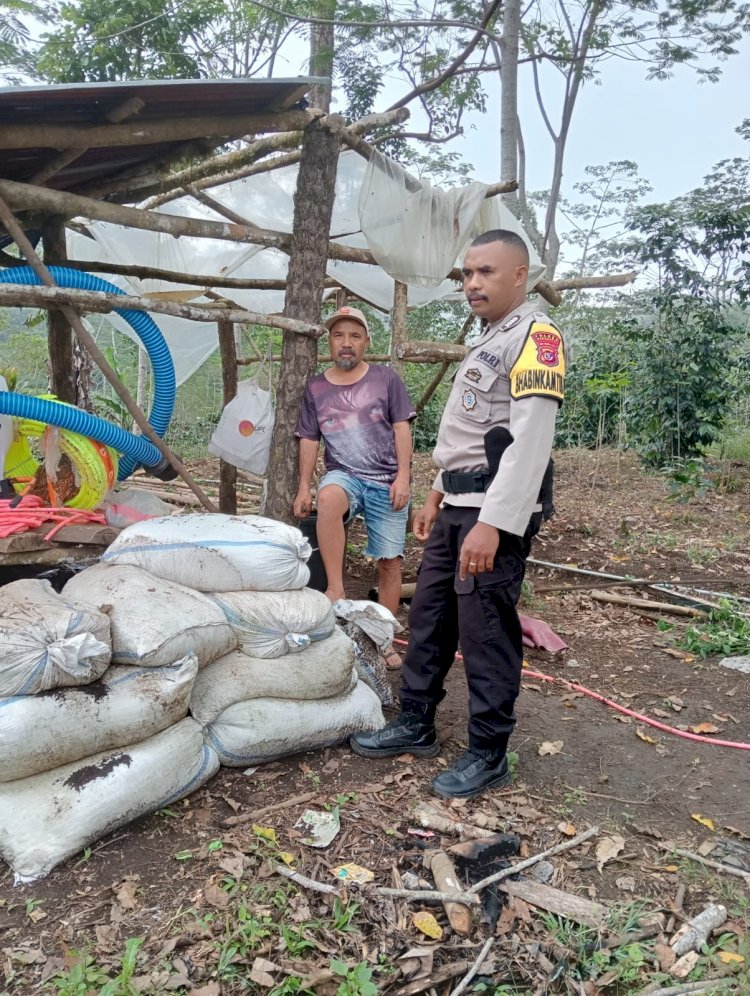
column 399, row 325
column 59, row 332
column 227, row 472
column 509, row 92
column 313, row 204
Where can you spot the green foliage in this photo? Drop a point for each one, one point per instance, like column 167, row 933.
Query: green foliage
column 357, row 981
column 726, row 632
column 86, row 976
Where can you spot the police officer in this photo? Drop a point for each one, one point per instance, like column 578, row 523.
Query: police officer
column 478, row 521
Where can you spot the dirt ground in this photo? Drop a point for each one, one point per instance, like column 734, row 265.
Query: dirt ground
column 581, row 764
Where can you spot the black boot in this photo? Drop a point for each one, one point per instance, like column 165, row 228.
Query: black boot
column 408, row 733
column 473, row 772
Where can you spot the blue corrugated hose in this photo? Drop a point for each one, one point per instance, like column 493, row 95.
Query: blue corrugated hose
column 137, row 449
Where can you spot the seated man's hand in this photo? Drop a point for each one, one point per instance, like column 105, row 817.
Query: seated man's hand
column 478, row 550
column 400, row 492
column 424, row 518
column 303, row 502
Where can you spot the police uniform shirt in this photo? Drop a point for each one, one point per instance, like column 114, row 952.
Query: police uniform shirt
column 514, row 377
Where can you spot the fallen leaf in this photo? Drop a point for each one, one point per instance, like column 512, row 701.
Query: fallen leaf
column 644, row 736
column 703, row 820
column 416, row 963
column 125, row 893
column 212, row 989
column 36, row 915
column 706, row 847
column 216, row 897
column 675, row 703
column 266, row 833
column 661, row 713
column 607, row 849
column 233, row 864
column 704, row 728
column 260, row 972
column 626, row 883
column 731, row 957
column 567, row 828
column 666, row 956
column 427, row 924
column 550, row 747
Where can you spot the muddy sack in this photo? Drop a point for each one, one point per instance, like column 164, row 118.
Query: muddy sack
column 213, row 552
column 127, row 705
column 48, row 640
column 271, row 624
column 50, row 817
column 322, row 671
column 153, row 622
column 266, row 729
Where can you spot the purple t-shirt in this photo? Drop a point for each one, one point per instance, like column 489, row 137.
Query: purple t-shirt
column 355, row 422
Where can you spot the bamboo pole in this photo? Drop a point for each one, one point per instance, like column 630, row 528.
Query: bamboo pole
column 228, row 473
column 23, row 295
column 15, row 230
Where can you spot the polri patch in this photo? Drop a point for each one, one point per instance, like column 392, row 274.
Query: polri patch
column 469, row 400
column 474, row 374
column 540, row 367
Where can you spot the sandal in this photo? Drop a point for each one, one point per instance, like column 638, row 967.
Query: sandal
column 392, row 659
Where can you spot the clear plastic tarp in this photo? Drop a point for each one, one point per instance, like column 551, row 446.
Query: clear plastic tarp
column 416, row 232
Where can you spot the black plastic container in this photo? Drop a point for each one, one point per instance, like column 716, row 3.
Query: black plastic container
column 318, row 578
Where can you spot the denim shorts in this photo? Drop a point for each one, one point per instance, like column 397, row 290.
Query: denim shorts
column 386, row 529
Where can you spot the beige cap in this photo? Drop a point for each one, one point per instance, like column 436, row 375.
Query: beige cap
column 346, row 312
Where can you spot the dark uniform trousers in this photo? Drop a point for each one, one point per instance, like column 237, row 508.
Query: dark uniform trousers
column 478, row 613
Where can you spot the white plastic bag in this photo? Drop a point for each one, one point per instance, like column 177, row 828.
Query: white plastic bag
column 266, row 729
column 270, row 623
column 48, row 640
column 128, row 505
column 153, row 621
column 128, row 704
column 49, row 817
column 243, row 435
column 323, row 670
column 213, row 552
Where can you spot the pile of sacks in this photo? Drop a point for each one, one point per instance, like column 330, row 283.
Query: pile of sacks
column 194, row 643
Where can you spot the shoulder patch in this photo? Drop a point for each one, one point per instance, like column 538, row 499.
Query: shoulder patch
column 540, row 367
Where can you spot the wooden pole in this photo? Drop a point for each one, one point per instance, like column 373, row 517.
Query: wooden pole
column 227, row 472
column 399, row 326
column 59, row 331
column 21, row 295
column 65, row 136
column 15, row 230
column 444, row 367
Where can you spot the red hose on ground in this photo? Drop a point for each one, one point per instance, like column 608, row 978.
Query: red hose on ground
column 627, row 712
column 30, row 512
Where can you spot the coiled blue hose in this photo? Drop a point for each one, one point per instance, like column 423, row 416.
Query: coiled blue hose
column 136, row 448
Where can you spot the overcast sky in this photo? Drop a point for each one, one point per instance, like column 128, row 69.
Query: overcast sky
column 675, row 130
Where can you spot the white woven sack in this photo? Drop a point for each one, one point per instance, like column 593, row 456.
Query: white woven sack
column 47, row 640
column 272, row 623
column 50, row 817
column 153, row 621
column 323, row 670
column 266, row 729
column 212, row 552
column 128, row 704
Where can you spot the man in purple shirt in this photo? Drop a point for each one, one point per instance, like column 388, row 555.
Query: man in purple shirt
column 362, row 413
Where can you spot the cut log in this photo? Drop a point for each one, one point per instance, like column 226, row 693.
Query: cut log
column 446, row 880
column 556, row 901
column 633, row 602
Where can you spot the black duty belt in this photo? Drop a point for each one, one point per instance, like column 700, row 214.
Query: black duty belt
column 466, row 483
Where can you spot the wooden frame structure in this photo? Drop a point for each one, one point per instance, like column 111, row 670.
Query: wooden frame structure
column 117, row 148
